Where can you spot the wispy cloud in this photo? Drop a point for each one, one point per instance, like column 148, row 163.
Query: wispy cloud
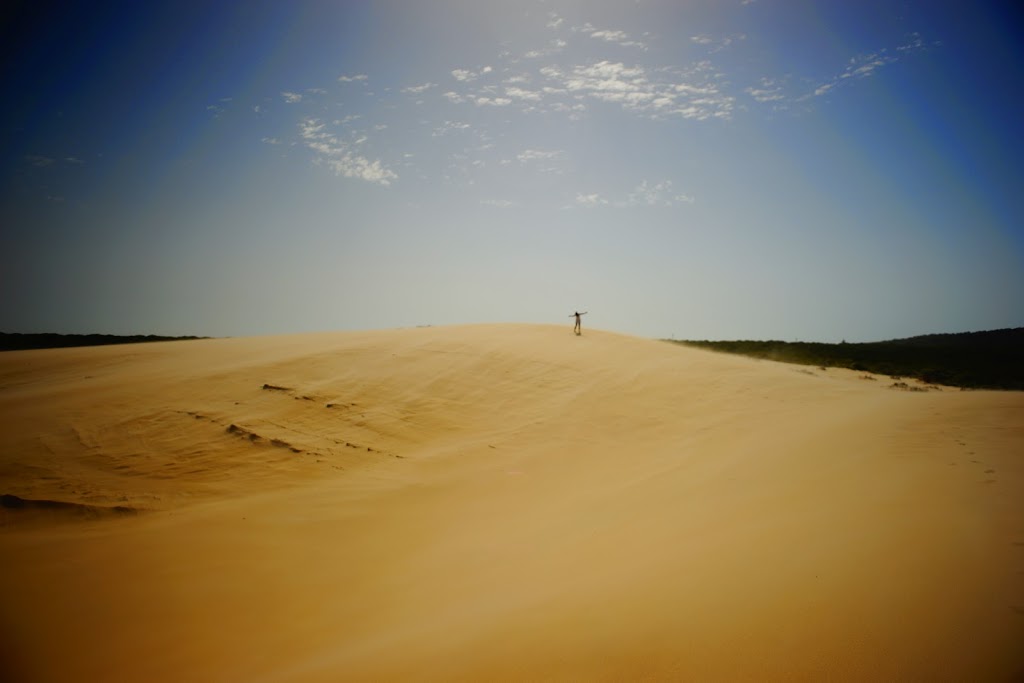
column 38, row 160
column 611, row 36
column 419, row 89
column 449, row 126
column 499, row 203
column 780, row 94
column 553, row 47
column 339, row 156
column 865, row 65
column 543, row 161
column 717, row 43
column 590, row 200
column 41, row 161
column 645, row 194
column 657, row 194
column 529, row 155
column 584, row 81
column 768, row 90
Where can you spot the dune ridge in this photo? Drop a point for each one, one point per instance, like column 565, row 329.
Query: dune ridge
column 501, row 502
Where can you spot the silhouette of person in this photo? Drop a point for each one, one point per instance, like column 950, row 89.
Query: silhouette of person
column 577, row 329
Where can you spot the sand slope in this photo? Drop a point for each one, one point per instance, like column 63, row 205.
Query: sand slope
column 499, row 502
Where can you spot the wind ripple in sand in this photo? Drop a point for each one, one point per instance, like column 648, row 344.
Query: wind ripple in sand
column 12, row 504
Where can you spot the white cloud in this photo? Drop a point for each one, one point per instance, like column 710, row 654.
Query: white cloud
column 521, row 94
column 352, row 79
column 691, row 94
column 339, row 157
column 590, row 200
column 271, row 141
column 316, row 91
column 609, row 81
column 554, row 21
column 291, row 97
column 493, row 101
column 417, row 89
column 465, row 75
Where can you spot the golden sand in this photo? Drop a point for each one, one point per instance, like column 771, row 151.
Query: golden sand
column 499, row 502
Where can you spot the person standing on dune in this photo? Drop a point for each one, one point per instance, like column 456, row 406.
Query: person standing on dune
column 577, row 329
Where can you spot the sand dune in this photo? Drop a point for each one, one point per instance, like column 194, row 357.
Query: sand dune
column 499, row 502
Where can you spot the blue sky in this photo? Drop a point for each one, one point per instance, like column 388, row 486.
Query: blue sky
column 766, row 169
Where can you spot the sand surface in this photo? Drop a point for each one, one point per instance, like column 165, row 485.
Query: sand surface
column 499, row 502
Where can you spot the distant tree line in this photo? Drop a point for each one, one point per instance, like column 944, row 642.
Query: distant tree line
column 978, row 360
column 14, row 341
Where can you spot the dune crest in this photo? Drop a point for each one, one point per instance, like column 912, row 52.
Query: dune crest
column 500, row 502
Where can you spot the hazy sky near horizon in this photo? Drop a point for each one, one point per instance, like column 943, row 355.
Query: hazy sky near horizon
column 723, row 169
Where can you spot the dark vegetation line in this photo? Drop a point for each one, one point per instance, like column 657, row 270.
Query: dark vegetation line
column 14, row 341
column 975, row 360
